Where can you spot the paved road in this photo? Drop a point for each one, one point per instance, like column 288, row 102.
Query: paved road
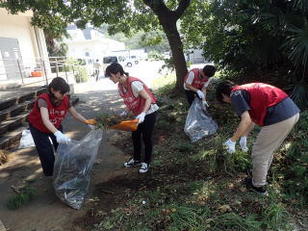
column 146, row 71
column 95, row 98
column 46, row 212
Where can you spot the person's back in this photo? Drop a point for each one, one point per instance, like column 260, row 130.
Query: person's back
column 96, row 67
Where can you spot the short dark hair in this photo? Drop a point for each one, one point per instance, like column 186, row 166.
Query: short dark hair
column 59, row 84
column 115, row 68
column 224, row 87
column 209, row 70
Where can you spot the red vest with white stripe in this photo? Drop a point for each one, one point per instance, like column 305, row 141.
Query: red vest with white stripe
column 198, row 81
column 56, row 113
column 262, row 96
column 134, row 104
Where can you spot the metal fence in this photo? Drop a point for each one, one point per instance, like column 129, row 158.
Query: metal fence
column 38, row 72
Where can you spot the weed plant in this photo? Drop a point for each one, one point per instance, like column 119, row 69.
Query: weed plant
column 197, row 187
column 26, row 195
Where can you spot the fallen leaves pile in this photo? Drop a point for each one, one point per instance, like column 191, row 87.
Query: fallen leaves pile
column 107, row 120
column 3, row 157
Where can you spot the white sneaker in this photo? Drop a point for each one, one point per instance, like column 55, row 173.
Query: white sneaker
column 132, row 163
column 144, row 167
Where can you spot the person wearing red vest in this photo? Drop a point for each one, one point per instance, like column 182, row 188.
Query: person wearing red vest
column 268, row 107
column 196, row 82
column 140, row 101
column 45, row 121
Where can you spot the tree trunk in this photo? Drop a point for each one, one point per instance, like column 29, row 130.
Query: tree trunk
column 169, row 26
column 167, row 19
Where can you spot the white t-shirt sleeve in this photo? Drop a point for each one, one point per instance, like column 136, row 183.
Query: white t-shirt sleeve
column 137, row 86
column 189, row 79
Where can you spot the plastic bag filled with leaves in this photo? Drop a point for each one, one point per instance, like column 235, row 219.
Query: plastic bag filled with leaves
column 198, row 122
column 73, row 166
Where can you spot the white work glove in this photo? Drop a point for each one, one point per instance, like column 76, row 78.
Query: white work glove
column 140, row 117
column 92, row 127
column 243, row 143
column 200, row 94
column 204, row 102
column 230, row 145
column 124, row 113
column 61, row 138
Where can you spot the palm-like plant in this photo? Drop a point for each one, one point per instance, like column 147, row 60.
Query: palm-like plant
column 261, row 35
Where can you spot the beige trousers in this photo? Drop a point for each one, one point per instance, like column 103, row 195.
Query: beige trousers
column 268, row 140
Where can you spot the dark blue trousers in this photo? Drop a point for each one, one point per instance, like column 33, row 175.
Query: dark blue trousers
column 45, row 149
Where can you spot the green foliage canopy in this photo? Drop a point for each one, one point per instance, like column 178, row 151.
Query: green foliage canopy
column 125, row 16
column 252, row 35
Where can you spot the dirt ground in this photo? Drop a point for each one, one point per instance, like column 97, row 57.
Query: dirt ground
column 46, row 212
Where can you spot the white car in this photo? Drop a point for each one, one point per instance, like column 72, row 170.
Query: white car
column 124, row 61
column 128, row 61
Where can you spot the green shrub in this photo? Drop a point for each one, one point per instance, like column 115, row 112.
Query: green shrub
column 81, row 74
column 295, row 168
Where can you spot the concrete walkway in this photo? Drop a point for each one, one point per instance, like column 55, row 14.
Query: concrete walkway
column 46, row 212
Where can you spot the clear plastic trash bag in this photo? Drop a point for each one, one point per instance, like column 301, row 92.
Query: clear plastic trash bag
column 26, row 139
column 198, row 122
column 73, row 166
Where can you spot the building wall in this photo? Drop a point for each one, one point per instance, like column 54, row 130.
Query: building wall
column 19, row 27
column 92, row 46
column 196, row 56
column 96, row 49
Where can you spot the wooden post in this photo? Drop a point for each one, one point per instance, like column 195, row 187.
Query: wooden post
column 20, row 71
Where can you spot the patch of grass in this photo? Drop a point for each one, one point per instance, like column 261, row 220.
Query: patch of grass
column 276, row 217
column 294, row 165
column 232, row 221
column 26, row 195
column 185, row 217
column 198, row 186
column 164, row 83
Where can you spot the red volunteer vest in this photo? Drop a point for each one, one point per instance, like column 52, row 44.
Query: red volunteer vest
column 262, row 96
column 56, row 113
column 134, row 104
column 198, row 81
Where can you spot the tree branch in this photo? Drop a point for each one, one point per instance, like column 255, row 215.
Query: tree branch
column 158, row 6
column 182, row 7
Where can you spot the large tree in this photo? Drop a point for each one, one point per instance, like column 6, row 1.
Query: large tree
column 126, row 16
column 265, row 40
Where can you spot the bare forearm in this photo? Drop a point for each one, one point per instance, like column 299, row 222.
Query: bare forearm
column 251, row 126
column 50, row 126
column 76, row 115
column 148, row 100
column 190, row 87
column 46, row 121
column 244, row 126
column 79, row 117
column 147, row 105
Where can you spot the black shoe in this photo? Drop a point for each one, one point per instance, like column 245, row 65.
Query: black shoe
column 249, row 172
column 261, row 190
